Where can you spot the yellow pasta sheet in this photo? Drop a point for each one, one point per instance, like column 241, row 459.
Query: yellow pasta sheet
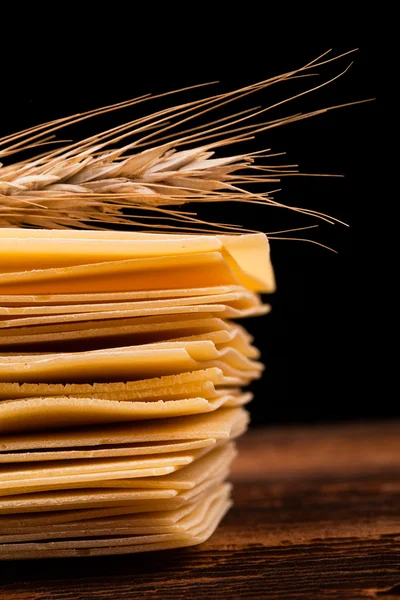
column 136, row 499
column 167, row 520
column 76, row 474
column 219, row 425
column 60, row 412
column 207, row 519
column 177, row 521
column 202, row 378
column 247, row 255
column 26, row 300
column 239, row 300
column 127, row 363
column 121, row 450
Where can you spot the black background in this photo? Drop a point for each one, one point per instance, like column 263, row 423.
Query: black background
column 309, row 342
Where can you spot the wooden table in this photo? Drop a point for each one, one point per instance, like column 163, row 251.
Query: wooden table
column 316, row 515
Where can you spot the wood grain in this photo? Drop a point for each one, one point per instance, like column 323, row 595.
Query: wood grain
column 316, row 516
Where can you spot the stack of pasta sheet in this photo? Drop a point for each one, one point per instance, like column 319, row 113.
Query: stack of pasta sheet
column 121, row 375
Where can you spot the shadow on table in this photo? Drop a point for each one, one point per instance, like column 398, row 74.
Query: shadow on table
column 110, row 567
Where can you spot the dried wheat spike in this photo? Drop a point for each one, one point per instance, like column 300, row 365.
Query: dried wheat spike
column 129, row 174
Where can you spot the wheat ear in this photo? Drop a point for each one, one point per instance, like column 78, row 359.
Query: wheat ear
column 131, row 174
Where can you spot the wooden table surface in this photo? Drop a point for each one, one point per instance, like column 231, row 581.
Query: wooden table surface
column 316, row 515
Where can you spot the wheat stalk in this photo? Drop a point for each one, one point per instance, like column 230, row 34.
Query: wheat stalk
column 106, row 179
